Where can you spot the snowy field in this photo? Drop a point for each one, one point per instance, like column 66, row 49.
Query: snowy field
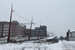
column 30, row 45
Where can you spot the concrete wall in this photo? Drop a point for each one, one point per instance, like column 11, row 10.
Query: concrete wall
column 72, row 36
column 72, row 39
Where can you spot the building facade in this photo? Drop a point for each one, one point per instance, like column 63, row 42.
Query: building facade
column 70, row 35
column 16, row 29
column 39, row 32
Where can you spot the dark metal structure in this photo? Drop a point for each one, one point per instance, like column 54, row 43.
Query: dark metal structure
column 10, row 24
column 2, row 30
column 30, row 28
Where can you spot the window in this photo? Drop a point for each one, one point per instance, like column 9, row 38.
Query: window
column 6, row 25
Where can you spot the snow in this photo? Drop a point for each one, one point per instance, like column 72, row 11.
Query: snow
column 71, row 42
column 69, row 45
column 29, row 45
column 47, row 38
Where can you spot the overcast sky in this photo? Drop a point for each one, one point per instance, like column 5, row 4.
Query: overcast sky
column 57, row 15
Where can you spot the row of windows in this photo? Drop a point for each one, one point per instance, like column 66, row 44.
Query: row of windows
column 5, row 30
column 8, row 26
column 10, row 31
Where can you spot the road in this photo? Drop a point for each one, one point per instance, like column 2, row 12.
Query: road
column 68, row 45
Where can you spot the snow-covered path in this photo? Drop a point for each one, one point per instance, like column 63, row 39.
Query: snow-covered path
column 68, row 45
column 36, row 46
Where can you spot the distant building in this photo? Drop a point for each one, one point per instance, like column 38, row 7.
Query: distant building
column 16, row 28
column 39, row 31
column 70, row 35
column 26, row 32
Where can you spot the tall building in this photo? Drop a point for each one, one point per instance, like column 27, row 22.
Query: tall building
column 16, row 28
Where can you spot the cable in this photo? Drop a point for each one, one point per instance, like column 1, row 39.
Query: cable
column 22, row 17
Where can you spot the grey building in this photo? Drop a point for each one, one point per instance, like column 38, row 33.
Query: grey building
column 33, row 33
column 71, row 35
column 39, row 31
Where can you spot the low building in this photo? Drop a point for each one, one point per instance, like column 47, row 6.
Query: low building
column 71, row 35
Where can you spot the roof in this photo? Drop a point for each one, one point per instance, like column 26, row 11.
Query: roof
column 72, row 30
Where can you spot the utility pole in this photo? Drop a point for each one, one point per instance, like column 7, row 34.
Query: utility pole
column 30, row 27
column 10, row 24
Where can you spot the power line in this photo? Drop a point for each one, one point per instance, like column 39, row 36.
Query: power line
column 21, row 17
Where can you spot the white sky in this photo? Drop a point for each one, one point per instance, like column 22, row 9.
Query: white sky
column 57, row 15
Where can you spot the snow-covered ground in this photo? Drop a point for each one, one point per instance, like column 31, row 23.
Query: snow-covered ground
column 30, row 45
column 68, row 45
